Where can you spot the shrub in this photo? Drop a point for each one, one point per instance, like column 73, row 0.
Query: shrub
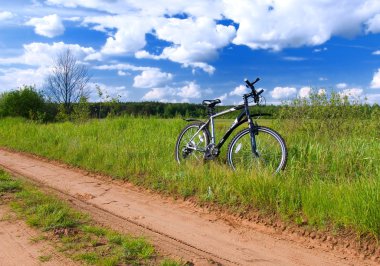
column 25, row 102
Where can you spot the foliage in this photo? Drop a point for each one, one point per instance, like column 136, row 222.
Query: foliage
column 110, row 104
column 81, row 110
column 25, row 102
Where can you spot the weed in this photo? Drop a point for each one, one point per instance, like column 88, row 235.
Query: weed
column 77, row 236
column 332, row 176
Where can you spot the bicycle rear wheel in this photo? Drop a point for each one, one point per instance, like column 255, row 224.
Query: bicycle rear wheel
column 271, row 149
column 191, row 143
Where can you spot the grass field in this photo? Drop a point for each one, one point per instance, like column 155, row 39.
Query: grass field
column 74, row 233
column 332, row 177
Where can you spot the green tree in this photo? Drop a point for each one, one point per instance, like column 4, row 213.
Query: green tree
column 25, row 102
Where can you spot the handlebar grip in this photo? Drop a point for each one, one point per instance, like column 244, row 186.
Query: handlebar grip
column 249, row 84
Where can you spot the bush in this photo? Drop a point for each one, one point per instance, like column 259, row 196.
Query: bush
column 25, row 102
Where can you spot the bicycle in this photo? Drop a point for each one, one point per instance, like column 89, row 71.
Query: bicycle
column 253, row 147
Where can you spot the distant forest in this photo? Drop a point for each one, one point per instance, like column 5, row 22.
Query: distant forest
column 167, row 110
column 29, row 103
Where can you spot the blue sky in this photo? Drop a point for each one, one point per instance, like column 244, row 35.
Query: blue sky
column 186, row 51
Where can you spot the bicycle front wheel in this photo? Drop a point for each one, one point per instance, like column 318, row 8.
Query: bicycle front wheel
column 271, row 151
column 191, row 143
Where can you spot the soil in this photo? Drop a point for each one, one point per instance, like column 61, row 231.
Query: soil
column 18, row 248
column 200, row 236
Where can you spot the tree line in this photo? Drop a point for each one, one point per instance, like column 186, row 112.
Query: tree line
column 29, row 103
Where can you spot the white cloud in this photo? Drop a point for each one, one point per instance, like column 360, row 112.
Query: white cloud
column 156, row 94
column 354, row 93
column 305, row 92
column 375, row 84
column 13, row 78
column 322, row 92
column 195, row 39
column 239, row 91
column 42, row 54
column 192, row 90
column 37, row 58
column 122, row 73
column 200, row 44
column 294, row 24
column 373, row 25
column 373, row 98
column 124, row 67
column 151, row 78
column 376, row 52
column 318, row 50
column 130, row 32
column 48, row 26
column 113, row 92
column 222, row 97
column 341, row 85
column 5, row 15
column 294, row 58
column 283, row 92
column 323, row 79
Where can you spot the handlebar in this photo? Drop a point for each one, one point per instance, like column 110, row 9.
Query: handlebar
column 255, row 93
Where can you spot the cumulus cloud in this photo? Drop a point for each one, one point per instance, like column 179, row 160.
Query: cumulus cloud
column 37, row 59
column 123, row 67
column 294, row 24
column 148, row 78
column 43, row 54
column 130, row 34
column 195, row 35
column 114, row 92
column 151, row 78
column 322, row 92
column 5, row 15
column 376, row 52
column 305, row 92
column 373, row 98
column 122, row 73
column 192, row 90
column 239, row 91
column 200, row 44
column 341, row 85
column 354, row 93
column 373, row 25
column 375, row 84
column 48, row 26
column 283, row 92
column 12, row 78
column 157, row 94
column 189, row 91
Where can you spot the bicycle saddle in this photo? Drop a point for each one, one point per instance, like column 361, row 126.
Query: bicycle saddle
column 211, row 103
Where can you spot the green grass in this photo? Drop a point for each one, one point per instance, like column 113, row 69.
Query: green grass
column 332, row 177
column 75, row 233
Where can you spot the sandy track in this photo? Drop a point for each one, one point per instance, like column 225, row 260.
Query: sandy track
column 16, row 247
column 176, row 228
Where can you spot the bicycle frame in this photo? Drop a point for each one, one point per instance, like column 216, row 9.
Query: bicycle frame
column 243, row 117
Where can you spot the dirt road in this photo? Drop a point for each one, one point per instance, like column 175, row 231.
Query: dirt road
column 18, row 248
column 176, row 228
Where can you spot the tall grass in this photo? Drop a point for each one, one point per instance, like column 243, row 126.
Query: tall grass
column 332, row 177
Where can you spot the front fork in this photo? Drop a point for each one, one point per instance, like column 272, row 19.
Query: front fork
column 253, row 131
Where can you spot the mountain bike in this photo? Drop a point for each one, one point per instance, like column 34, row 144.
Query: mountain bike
column 256, row 147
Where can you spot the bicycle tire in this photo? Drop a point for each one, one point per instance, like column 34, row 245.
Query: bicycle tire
column 185, row 150
column 271, row 148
